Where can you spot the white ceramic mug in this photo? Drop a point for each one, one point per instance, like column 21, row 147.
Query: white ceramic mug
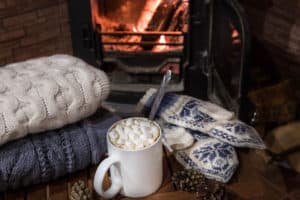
column 133, row 173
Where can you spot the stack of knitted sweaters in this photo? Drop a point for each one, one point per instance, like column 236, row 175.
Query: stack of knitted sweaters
column 48, row 124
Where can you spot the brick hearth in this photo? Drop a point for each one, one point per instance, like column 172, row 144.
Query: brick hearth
column 33, row 28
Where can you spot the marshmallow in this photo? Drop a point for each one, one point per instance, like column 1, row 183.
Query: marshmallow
column 134, row 134
column 119, row 129
column 114, row 135
column 128, row 122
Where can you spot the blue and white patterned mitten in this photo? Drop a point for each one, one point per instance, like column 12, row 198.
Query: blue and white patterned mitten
column 185, row 111
column 202, row 116
column 238, row 134
column 215, row 159
column 182, row 156
column 175, row 137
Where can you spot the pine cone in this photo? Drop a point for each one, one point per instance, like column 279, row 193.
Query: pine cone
column 80, row 191
column 188, row 180
column 193, row 181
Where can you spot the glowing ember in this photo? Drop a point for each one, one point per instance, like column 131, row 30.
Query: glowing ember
column 235, row 34
column 235, row 37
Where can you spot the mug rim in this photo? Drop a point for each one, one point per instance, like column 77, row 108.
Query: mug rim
column 129, row 150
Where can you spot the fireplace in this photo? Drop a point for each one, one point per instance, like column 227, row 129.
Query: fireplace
column 204, row 43
column 139, row 43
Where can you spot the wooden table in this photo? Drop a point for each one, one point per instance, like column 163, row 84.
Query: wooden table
column 254, row 180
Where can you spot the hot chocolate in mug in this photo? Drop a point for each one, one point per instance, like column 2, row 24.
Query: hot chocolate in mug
column 136, row 171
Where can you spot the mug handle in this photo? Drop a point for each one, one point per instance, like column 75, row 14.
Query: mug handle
column 116, row 182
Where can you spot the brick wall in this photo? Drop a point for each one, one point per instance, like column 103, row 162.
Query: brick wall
column 276, row 24
column 33, row 28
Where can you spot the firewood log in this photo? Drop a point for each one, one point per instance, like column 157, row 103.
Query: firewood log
column 161, row 20
column 179, row 20
column 147, row 14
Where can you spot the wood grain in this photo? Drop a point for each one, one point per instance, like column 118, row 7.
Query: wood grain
column 254, row 180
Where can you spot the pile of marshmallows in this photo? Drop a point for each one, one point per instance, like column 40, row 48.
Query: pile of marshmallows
column 134, row 134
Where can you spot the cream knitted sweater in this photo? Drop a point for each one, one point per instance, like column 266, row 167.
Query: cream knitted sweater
column 47, row 93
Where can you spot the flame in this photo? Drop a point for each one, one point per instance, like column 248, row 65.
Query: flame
column 235, row 37
column 108, row 25
column 134, row 29
column 235, row 34
column 147, row 14
column 95, row 13
column 162, row 41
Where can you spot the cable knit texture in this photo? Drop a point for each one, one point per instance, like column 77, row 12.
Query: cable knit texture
column 43, row 157
column 48, row 93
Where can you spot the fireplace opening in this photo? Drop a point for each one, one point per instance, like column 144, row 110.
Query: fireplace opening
column 128, row 25
column 140, row 40
column 204, row 43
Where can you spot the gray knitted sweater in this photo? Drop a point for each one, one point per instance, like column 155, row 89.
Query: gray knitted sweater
column 47, row 156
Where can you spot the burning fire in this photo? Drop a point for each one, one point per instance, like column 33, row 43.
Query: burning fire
column 147, row 14
column 134, row 29
column 117, row 32
column 161, row 46
column 235, row 36
column 95, row 13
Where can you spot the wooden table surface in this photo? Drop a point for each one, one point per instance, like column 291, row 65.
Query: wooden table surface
column 253, row 180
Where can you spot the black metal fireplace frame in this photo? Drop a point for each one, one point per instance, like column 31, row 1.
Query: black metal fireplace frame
column 200, row 71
